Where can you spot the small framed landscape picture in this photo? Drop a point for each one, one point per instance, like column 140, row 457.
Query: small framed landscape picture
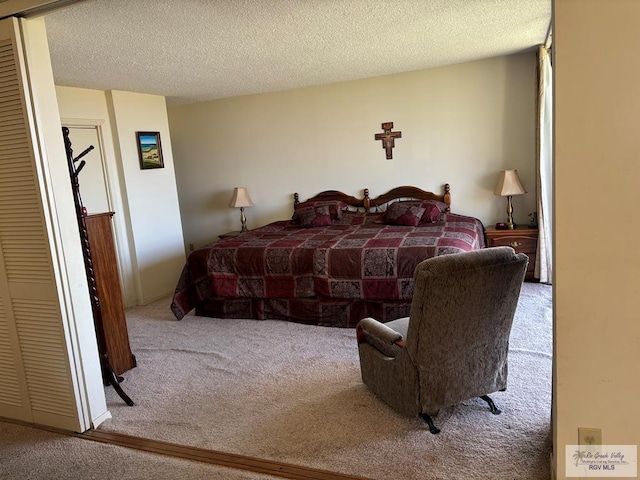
column 149, row 150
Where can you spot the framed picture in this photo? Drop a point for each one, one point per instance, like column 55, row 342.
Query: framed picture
column 149, row 150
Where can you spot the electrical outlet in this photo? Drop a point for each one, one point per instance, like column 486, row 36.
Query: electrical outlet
column 589, row 436
column 191, row 247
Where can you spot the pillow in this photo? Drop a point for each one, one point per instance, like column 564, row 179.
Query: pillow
column 401, row 213
column 433, row 210
column 313, row 216
column 335, row 208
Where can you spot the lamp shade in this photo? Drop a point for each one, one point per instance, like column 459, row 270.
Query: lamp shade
column 240, row 198
column 509, row 184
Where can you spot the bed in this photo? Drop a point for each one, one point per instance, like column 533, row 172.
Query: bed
column 338, row 260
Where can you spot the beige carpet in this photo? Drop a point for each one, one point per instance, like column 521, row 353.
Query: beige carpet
column 292, row 393
column 28, row 453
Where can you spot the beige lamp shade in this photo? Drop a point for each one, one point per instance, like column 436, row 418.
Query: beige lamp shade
column 240, row 198
column 509, row 184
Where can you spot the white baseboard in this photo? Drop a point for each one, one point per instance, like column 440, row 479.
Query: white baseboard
column 147, row 301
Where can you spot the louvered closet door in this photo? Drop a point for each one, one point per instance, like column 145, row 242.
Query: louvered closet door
column 35, row 377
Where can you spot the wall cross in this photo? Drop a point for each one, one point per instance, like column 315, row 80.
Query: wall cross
column 388, row 138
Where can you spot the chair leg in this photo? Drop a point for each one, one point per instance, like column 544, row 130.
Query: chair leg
column 492, row 406
column 432, row 428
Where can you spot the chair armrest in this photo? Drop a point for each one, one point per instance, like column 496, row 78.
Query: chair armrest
column 378, row 335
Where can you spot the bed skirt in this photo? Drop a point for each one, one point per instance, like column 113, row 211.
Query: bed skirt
column 310, row 311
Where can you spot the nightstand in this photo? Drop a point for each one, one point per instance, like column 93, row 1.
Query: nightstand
column 229, row 234
column 522, row 239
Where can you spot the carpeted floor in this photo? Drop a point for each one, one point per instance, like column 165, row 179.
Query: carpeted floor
column 292, row 393
column 28, row 453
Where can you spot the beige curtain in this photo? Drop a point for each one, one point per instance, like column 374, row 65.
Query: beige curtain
column 544, row 258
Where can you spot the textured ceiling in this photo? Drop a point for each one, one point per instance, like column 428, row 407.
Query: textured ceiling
column 197, row 50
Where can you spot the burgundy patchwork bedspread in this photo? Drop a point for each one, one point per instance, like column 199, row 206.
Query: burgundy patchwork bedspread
column 356, row 258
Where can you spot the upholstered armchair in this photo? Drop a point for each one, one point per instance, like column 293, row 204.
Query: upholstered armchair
column 454, row 344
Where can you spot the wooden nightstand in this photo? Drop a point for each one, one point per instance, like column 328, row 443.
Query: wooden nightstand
column 229, row 234
column 522, row 239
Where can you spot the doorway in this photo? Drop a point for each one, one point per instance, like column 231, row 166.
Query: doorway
column 100, row 192
column 92, row 178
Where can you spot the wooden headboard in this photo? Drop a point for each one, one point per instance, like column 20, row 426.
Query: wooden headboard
column 406, row 192
column 328, row 195
column 367, row 203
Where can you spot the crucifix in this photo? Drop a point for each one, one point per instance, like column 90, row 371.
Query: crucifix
column 388, row 138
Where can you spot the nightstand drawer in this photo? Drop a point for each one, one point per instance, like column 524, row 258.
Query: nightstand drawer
column 520, row 243
column 521, row 239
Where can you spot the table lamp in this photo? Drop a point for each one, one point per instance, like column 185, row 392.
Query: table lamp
column 508, row 185
column 240, row 200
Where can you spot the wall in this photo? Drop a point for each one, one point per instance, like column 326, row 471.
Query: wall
column 597, row 279
column 460, row 125
column 85, row 106
column 147, row 220
column 150, row 196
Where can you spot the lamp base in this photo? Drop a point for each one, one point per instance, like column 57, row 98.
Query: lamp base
column 509, row 224
column 243, row 220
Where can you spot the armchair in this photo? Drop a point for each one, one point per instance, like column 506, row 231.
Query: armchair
column 454, row 344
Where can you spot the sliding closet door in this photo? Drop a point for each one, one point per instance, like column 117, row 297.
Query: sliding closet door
column 37, row 382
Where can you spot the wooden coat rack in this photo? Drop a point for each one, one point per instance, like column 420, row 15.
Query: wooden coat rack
column 108, row 374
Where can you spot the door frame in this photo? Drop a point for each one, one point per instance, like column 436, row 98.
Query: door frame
column 121, row 223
